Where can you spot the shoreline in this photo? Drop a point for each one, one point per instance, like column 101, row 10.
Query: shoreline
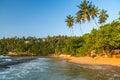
column 93, row 63
column 89, row 62
column 96, row 63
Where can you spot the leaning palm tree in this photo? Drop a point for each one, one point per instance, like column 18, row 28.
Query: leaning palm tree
column 70, row 22
column 103, row 16
column 79, row 20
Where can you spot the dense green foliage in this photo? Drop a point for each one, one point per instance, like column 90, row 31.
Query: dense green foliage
column 103, row 40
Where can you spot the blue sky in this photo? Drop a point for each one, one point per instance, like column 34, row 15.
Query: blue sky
column 41, row 18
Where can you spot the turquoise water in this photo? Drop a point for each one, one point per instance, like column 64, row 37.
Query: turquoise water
column 55, row 69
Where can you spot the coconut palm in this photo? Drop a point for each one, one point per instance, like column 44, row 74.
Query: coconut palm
column 70, row 22
column 84, row 8
column 79, row 20
column 103, row 16
column 88, row 11
column 94, row 12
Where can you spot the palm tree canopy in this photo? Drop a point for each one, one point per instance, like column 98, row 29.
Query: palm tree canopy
column 103, row 16
column 70, row 21
column 94, row 12
column 79, row 17
column 85, row 8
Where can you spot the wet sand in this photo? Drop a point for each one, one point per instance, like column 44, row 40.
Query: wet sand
column 91, row 61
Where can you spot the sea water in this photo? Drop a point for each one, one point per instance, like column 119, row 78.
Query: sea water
column 55, row 69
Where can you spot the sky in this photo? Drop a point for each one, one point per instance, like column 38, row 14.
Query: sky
column 40, row 18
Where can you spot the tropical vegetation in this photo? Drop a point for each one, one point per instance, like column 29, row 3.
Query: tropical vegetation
column 104, row 39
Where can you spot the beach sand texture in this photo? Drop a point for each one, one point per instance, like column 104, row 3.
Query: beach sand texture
column 95, row 61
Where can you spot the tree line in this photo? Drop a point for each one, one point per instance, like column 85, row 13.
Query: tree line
column 103, row 40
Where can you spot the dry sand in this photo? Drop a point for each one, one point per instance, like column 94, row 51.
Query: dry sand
column 95, row 61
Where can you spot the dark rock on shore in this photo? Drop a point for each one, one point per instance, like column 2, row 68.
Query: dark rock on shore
column 6, row 62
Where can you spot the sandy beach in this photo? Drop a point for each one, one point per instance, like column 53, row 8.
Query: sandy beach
column 93, row 62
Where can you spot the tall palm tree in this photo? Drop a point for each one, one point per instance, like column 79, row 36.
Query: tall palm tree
column 88, row 11
column 103, row 16
column 84, row 8
column 94, row 12
column 70, row 22
column 79, row 20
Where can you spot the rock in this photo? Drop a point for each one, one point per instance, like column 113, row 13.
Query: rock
column 93, row 53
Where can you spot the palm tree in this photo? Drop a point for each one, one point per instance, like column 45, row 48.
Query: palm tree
column 79, row 20
column 94, row 12
column 103, row 16
column 88, row 11
column 84, row 9
column 70, row 22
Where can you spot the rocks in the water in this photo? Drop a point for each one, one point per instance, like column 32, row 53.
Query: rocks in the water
column 5, row 62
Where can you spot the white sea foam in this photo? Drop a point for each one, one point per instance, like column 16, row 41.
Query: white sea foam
column 49, row 69
column 24, row 69
column 8, row 59
column 1, row 56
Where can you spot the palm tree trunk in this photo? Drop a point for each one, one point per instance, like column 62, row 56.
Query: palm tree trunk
column 96, row 23
column 81, row 30
column 72, row 32
column 91, row 25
